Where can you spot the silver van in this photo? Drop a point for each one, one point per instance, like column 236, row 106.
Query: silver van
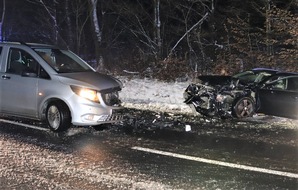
column 43, row 82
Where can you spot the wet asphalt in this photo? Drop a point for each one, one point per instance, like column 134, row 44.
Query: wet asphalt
column 263, row 142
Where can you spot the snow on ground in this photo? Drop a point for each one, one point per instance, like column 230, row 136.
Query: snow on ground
column 154, row 95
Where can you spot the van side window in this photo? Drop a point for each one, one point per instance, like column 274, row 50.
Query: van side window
column 20, row 61
column 43, row 74
column 0, row 50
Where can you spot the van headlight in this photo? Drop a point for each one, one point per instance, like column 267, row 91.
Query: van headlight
column 86, row 93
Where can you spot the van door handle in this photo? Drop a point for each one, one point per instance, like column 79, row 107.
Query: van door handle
column 5, row 77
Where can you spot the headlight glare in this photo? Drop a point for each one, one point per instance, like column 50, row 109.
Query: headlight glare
column 89, row 94
column 86, row 93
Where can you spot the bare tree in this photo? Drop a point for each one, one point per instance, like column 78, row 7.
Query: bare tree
column 157, row 27
column 200, row 33
column 81, row 16
column 268, row 27
column 2, row 21
column 187, row 32
column 194, row 14
column 52, row 13
column 98, row 34
column 70, row 40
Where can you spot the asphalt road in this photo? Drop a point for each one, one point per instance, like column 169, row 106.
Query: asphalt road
column 151, row 151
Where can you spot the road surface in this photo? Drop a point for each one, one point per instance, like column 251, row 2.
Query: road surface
column 151, row 150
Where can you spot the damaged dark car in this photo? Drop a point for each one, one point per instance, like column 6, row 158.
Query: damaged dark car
column 278, row 95
column 245, row 94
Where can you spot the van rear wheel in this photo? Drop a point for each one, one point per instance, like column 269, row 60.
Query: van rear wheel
column 58, row 116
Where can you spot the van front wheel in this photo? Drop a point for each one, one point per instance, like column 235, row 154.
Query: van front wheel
column 58, row 116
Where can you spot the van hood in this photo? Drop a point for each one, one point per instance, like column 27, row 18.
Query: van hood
column 94, row 80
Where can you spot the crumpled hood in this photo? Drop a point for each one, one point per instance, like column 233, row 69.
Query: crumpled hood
column 94, row 80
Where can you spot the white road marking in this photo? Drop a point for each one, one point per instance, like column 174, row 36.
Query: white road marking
column 220, row 163
column 24, row 125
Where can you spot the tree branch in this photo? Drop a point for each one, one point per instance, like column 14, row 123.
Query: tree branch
column 195, row 25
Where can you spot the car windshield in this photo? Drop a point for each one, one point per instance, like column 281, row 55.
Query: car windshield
column 251, row 77
column 63, row 61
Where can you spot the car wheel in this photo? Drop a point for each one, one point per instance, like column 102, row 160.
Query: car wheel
column 58, row 116
column 244, row 107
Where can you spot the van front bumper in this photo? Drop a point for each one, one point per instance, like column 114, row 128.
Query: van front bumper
column 96, row 119
column 88, row 113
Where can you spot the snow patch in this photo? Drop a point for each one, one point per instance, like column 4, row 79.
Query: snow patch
column 154, row 95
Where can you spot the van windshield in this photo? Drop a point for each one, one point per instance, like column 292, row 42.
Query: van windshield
column 63, row 61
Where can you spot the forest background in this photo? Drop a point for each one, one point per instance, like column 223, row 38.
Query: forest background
column 163, row 39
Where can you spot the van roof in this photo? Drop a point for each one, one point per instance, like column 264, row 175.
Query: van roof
column 31, row 45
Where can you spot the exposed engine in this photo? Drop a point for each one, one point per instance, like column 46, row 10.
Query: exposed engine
column 213, row 101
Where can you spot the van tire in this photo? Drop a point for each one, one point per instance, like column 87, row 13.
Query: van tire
column 58, row 116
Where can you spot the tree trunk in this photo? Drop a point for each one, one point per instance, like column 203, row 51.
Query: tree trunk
column 268, row 28
column 70, row 41
column 80, row 23
column 98, row 35
column 1, row 22
column 157, row 25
